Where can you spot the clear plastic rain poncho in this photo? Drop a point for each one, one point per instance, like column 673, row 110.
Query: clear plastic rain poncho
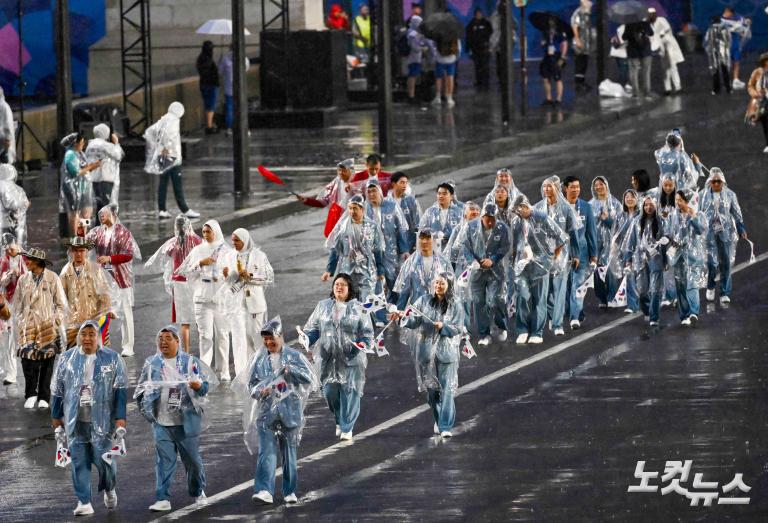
column 394, row 228
column 717, row 44
column 563, row 215
column 158, row 380
column 14, row 204
column 441, row 223
column 163, row 140
column 207, row 282
column 174, row 251
column 75, row 191
column 665, row 201
column 336, row 330
column 91, row 294
column 428, row 345
column 505, row 212
column 255, row 262
column 112, row 241
column 460, row 256
column 39, row 310
column 495, row 247
column 674, row 161
column 416, row 276
column 110, row 154
column 644, row 244
column 357, row 247
column 7, row 131
column 606, row 211
column 11, row 269
column 687, row 253
column 90, row 386
column 621, row 230
column 723, row 215
column 289, row 388
column 534, row 242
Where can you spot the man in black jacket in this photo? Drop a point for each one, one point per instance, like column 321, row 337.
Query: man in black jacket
column 478, row 37
column 638, row 37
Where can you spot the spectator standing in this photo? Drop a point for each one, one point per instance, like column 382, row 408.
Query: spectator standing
column 105, row 149
column 209, row 84
column 638, row 37
column 448, row 52
column 758, row 92
column 361, row 34
column 619, row 54
column 717, row 42
column 663, row 41
column 739, row 28
column 582, row 43
column 479, row 32
column 226, row 70
column 555, row 45
column 338, row 20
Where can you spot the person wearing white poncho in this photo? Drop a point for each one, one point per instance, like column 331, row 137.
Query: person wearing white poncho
column 274, row 391
column 88, row 395
column 7, row 132
column 204, row 269
column 106, row 177
column 247, row 271
column 13, row 204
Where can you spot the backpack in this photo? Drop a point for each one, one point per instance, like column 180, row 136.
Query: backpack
column 401, row 43
column 447, row 48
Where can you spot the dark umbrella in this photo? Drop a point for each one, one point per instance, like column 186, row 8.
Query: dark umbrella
column 627, row 12
column 442, row 26
column 540, row 20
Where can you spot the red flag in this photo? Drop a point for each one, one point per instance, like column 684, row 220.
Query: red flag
column 269, row 175
column 334, row 213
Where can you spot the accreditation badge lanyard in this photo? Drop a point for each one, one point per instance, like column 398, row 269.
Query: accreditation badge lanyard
column 86, row 388
column 174, row 392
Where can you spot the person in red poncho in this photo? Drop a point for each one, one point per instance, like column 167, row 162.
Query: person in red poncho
column 337, row 18
column 373, row 170
column 336, row 193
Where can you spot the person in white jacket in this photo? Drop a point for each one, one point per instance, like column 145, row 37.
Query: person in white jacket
column 203, row 269
column 663, row 41
column 247, row 271
column 7, row 131
column 105, row 146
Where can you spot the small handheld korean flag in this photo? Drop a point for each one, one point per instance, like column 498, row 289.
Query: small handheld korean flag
column 464, row 276
column 589, row 284
column 381, row 350
column 602, row 271
column 63, row 456
column 279, row 390
column 373, row 303
column 362, row 346
column 117, row 450
column 466, row 348
column 303, row 338
column 620, row 299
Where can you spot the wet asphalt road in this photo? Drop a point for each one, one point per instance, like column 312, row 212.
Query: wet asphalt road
column 551, row 440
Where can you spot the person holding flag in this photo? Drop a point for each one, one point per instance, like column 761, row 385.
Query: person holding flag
column 336, row 193
column 275, row 389
column 171, row 395
column 356, row 247
column 341, row 334
column 88, row 396
column 435, row 322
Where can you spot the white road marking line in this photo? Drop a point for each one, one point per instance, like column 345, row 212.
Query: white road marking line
column 410, row 414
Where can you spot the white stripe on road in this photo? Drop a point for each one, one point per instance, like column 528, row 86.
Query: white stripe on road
column 410, row 414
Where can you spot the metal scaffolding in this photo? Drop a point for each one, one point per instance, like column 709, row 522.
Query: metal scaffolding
column 281, row 20
column 136, row 55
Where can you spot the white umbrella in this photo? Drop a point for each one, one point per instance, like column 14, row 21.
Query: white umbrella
column 220, row 26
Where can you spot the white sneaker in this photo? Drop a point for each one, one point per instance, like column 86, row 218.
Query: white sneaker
column 666, row 303
column 225, row 378
column 437, row 100
column 502, row 336
column 654, row 324
column 42, row 404
column 535, row 340
column 710, row 294
column 126, row 353
column 693, row 318
column 725, row 299
column 435, row 429
column 521, row 339
column 575, row 325
column 446, row 434
column 338, row 431
column 110, row 499
column 346, row 436
column 263, row 496
column 485, row 340
column 30, row 403
column 83, row 509
column 686, row 321
column 738, row 84
column 291, row 498
column 765, row 151
column 160, row 506
column 450, row 102
column 559, row 331
column 163, row 215
column 201, row 500
column 192, row 214
column 628, row 311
